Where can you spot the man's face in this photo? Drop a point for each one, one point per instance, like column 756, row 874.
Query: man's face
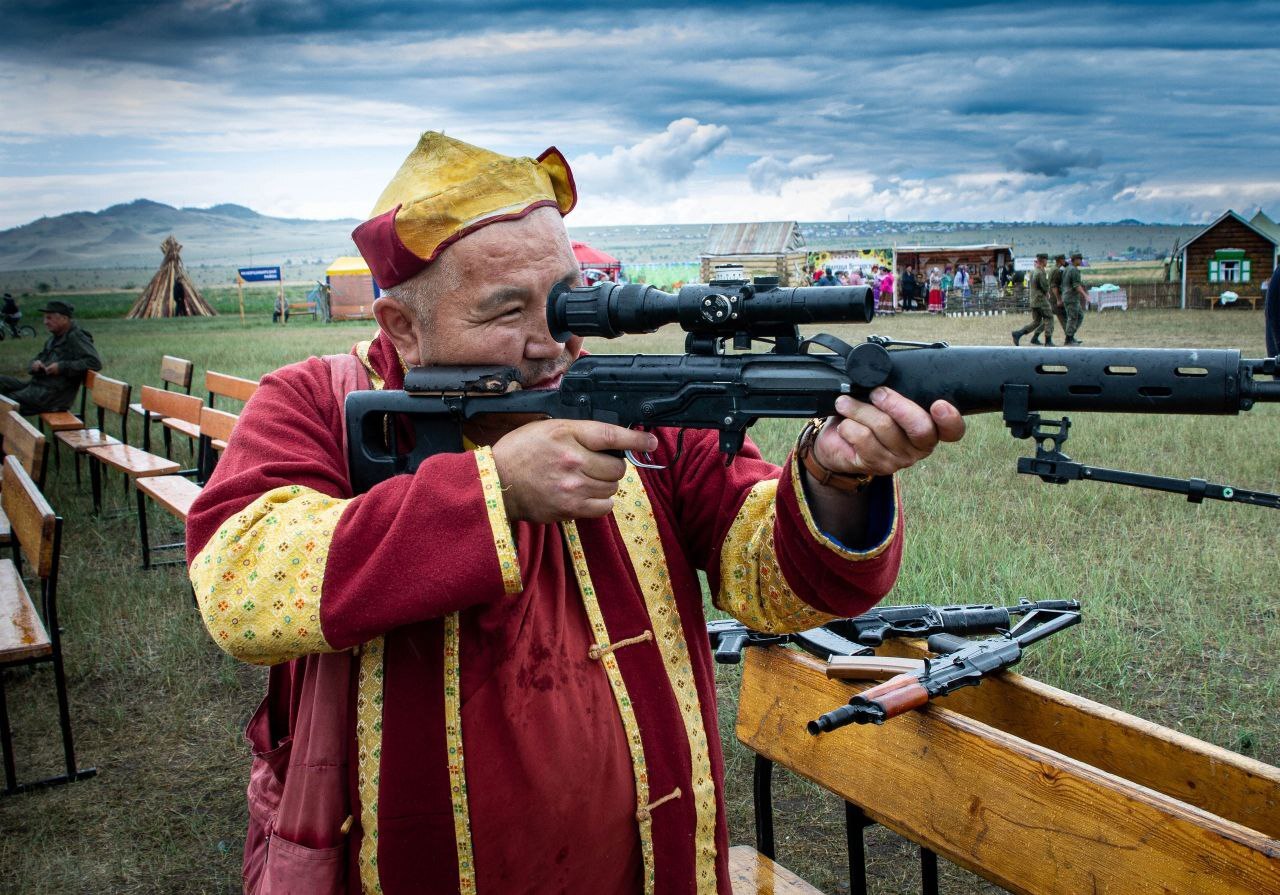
column 57, row 324
column 492, row 306
column 1040, row 262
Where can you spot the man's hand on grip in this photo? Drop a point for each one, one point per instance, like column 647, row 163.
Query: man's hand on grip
column 553, row 470
column 889, row 434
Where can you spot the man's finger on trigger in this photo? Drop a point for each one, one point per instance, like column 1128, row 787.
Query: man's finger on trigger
column 951, row 425
column 597, row 436
column 911, row 418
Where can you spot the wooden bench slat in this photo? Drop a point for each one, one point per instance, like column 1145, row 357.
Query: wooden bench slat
column 27, row 443
column 80, row 440
column 172, row 405
column 235, row 387
column 32, row 519
column 61, row 421
column 176, row 371
column 133, row 461
column 217, row 424
column 753, row 874
column 22, row 634
column 173, row 492
column 182, row 427
column 137, row 408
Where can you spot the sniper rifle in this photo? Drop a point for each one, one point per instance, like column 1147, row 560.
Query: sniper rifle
column 709, row 388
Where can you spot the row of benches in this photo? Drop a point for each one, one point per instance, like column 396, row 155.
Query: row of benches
column 28, row 635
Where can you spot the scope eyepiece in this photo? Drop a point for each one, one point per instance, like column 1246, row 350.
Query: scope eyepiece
column 722, row 309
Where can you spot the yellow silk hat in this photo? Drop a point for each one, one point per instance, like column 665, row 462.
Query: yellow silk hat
column 446, row 189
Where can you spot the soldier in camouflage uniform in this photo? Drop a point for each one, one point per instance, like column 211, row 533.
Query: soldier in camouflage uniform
column 1041, row 306
column 1074, row 299
column 58, row 370
column 1055, row 289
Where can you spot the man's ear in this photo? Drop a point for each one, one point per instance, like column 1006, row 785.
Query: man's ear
column 401, row 326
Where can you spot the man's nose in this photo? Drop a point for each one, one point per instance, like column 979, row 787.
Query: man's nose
column 538, row 342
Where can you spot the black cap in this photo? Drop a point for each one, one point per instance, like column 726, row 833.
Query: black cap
column 59, row 307
column 1042, row 256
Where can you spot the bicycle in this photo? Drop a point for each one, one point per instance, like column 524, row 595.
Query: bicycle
column 11, row 328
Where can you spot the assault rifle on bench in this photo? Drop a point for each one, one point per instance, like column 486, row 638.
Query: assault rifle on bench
column 964, row 664
column 856, row 636
column 707, row 388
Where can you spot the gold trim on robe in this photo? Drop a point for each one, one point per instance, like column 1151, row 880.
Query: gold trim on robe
column 259, row 578
column 629, row 724
column 457, row 765
column 752, row 587
column 369, row 757
column 502, row 540
column 639, row 529
column 807, row 513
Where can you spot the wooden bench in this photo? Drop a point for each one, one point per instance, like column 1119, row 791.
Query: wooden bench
column 224, row 385
column 25, row 637
column 109, row 396
column 1030, row 787
column 176, row 493
column 175, row 371
column 176, row 411
column 28, row 444
column 63, row 420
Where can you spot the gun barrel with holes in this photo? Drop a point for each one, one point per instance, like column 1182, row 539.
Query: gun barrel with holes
column 1120, row 380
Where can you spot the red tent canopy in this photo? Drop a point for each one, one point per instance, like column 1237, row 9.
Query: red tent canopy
column 589, row 257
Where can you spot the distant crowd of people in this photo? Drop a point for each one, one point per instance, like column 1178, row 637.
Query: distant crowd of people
column 929, row 290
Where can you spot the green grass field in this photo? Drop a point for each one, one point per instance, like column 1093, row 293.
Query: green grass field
column 1182, row 603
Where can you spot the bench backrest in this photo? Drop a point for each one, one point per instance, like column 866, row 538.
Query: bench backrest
column 35, row 525
column 110, row 394
column 225, row 385
column 217, row 424
column 172, row 404
column 176, row 371
column 25, row 442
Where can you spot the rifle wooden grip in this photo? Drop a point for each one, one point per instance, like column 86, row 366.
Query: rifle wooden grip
column 869, row 668
column 903, row 698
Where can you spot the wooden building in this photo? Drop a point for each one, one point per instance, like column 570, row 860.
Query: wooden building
column 765, row 249
column 1230, row 255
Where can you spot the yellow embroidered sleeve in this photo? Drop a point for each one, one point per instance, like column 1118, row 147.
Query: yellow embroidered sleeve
column 258, row 580
column 498, row 523
column 752, row 587
column 807, row 512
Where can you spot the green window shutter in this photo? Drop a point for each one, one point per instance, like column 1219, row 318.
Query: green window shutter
column 1213, row 271
column 1245, row 271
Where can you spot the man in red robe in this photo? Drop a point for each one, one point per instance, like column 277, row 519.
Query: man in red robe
column 492, row 675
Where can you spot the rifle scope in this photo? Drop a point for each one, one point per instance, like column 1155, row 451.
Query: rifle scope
column 719, row 309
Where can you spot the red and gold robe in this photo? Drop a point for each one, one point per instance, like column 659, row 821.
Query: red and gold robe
column 535, row 704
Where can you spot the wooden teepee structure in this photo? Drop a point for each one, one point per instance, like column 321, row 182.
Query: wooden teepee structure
column 171, row 292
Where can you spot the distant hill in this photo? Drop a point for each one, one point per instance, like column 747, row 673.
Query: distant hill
column 129, row 235
column 225, row 236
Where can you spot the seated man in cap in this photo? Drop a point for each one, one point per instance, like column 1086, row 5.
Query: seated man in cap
column 492, row 675
column 59, row 368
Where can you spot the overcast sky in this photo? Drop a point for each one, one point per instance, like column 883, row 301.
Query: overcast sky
column 669, row 111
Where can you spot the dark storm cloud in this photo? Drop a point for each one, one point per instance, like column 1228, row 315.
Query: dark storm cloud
column 1051, row 158
column 941, row 104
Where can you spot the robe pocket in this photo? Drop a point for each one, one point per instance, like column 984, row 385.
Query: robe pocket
column 293, row 869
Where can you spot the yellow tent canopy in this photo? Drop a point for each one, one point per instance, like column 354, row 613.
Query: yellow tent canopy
column 348, row 266
column 351, row 289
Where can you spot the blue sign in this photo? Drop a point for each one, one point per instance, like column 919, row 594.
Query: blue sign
column 260, row 274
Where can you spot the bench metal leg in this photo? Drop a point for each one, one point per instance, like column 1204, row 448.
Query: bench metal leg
column 928, row 872
column 6, row 742
column 142, row 528
column 762, row 792
column 95, row 482
column 855, row 822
